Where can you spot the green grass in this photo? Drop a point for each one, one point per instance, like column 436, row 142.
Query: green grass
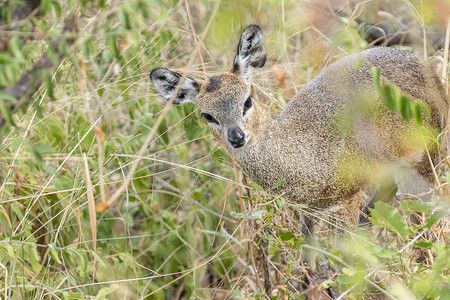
column 157, row 212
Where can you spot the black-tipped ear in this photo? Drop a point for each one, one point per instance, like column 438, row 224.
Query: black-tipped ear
column 251, row 53
column 165, row 82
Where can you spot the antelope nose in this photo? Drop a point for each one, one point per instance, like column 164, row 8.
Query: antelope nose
column 236, row 137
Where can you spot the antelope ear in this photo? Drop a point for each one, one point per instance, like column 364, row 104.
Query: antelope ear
column 251, row 53
column 165, row 82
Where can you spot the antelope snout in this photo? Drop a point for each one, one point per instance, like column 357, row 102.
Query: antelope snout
column 236, row 137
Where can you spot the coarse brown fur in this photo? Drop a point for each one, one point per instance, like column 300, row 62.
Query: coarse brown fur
column 323, row 147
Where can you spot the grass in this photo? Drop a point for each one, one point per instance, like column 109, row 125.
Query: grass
column 108, row 193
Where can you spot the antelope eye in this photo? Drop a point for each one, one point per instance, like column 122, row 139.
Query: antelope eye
column 209, row 118
column 247, row 104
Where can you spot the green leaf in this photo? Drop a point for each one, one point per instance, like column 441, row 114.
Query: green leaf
column 62, row 47
column 351, row 278
column 423, row 244
column 49, row 84
column 56, row 128
column 45, row 6
column 56, row 7
column 44, row 149
column 386, row 253
column 105, row 291
column 73, row 296
column 298, row 206
column 162, row 131
column 436, row 216
column 7, row 97
column 327, row 283
column 405, row 107
column 124, row 18
column 277, row 184
column 113, row 47
column 6, row 114
column 296, row 242
column 417, row 113
column 87, row 47
column 15, row 47
column 280, row 202
column 285, row 236
column 388, row 98
column 52, row 53
column 386, row 216
column 274, row 247
column 54, row 253
column 248, row 198
column 442, row 256
column 336, row 253
column 358, row 63
column 416, row 206
column 424, row 106
column 256, row 186
column 376, row 77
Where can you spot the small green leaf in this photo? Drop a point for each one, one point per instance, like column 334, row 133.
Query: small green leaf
column 351, row 278
column 62, row 47
column 416, row 206
column 388, row 98
column 5, row 113
column 256, row 186
column 417, row 113
column 274, row 247
column 277, row 184
column 49, row 85
column 144, row 9
column 105, row 291
column 54, row 253
column 280, row 202
column 424, row 106
column 423, row 244
column 298, row 206
column 386, row 253
column 7, row 97
column 386, row 216
column 52, row 53
column 15, row 47
column 162, row 131
column 113, row 47
column 73, row 296
column 327, row 283
column 336, row 253
column 248, row 198
column 405, row 107
column 85, row 47
column 359, row 61
column 124, row 18
column 376, row 78
column 45, row 6
column 436, row 216
column 296, row 242
column 285, row 236
column 56, row 7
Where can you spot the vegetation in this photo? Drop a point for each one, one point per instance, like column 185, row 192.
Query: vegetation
column 106, row 192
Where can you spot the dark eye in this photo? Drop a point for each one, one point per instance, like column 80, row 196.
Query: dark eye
column 247, row 104
column 209, row 118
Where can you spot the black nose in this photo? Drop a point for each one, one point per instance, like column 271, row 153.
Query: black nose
column 236, row 137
